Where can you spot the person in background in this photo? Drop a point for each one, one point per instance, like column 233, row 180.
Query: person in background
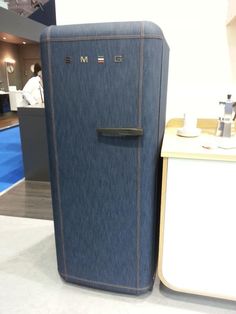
column 33, row 89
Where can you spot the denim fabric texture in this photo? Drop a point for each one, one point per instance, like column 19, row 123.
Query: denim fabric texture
column 105, row 190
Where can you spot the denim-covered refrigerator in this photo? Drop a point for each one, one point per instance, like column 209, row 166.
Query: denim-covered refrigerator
column 105, row 91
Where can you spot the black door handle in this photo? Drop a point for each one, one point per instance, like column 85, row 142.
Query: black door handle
column 120, row 132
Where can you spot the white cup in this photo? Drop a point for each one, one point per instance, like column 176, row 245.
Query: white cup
column 190, row 122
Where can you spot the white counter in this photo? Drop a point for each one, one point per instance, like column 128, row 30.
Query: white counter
column 198, row 216
column 194, row 147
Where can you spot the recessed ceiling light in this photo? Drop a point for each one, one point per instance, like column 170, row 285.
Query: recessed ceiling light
column 24, row 42
column 4, row 38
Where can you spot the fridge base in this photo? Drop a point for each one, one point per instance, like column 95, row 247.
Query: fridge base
column 105, row 286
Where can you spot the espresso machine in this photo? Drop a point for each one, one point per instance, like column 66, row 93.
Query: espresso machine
column 226, row 121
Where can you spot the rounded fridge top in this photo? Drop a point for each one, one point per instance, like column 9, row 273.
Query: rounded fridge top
column 110, row 30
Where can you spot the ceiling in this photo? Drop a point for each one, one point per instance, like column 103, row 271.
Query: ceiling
column 26, row 7
column 14, row 39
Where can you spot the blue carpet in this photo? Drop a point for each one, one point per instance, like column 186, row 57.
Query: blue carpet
column 11, row 163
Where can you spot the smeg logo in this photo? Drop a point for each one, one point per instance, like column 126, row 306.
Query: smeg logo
column 100, row 59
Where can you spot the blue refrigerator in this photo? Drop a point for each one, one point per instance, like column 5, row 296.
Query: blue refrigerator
column 105, row 90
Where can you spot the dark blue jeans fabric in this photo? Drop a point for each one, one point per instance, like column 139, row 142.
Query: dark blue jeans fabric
column 105, row 190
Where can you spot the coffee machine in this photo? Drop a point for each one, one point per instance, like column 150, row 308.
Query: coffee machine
column 226, row 121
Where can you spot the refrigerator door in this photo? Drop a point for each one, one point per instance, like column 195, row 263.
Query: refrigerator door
column 103, row 147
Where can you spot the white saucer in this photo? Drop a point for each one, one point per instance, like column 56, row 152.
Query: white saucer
column 226, row 142
column 189, row 133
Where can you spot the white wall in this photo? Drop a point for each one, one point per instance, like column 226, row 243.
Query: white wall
column 231, row 30
column 199, row 74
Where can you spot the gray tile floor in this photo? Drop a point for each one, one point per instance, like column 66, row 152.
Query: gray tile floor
column 29, row 282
